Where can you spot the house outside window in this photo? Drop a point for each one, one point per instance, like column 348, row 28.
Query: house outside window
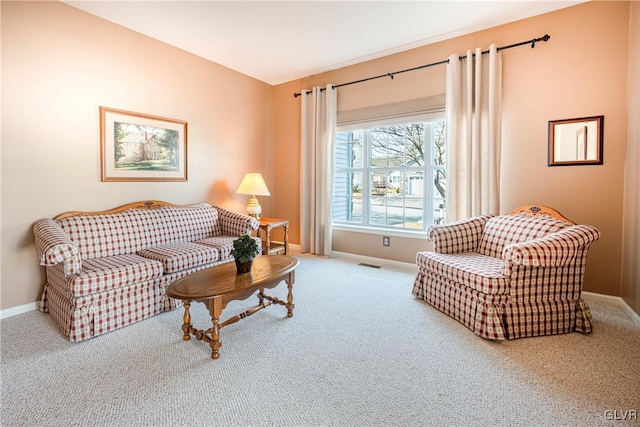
column 391, row 177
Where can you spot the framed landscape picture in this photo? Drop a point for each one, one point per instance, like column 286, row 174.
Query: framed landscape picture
column 141, row 147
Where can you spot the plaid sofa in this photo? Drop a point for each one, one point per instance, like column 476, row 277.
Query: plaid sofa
column 508, row 276
column 106, row 271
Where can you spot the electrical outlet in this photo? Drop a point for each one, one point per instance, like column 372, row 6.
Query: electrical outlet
column 386, row 241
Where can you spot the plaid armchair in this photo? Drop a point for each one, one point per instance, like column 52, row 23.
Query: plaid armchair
column 508, row 276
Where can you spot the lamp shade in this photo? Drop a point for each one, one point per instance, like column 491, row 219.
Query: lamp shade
column 253, row 185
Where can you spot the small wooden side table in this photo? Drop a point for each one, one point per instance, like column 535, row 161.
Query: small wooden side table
column 269, row 247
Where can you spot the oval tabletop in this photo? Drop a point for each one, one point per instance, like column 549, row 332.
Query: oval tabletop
column 222, row 279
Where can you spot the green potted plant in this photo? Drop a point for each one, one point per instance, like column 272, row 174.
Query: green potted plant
column 245, row 249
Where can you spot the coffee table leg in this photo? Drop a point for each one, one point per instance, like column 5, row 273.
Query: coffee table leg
column 215, row 309
column 261, row 296
column 290, row 304
column 186, row 321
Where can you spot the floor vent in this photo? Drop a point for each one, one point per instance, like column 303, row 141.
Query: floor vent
column 364, row 264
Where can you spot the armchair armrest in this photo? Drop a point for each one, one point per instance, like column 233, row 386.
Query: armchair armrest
column 234, row 223
column 457, row 237
column 54, row 246
column 553, row 250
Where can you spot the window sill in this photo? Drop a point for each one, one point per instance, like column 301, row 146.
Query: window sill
column 380, row 231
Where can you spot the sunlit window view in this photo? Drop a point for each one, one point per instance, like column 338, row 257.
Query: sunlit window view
column 391, row 177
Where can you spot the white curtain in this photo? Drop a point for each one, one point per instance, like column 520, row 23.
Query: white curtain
column 474, row 129
column 316, row 169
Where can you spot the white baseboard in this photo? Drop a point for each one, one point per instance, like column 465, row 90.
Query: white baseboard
column 635, row 318
column 373, row 260
column 14, row 311
column 601, row 297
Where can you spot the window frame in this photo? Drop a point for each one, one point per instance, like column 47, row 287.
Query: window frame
column 366, row 169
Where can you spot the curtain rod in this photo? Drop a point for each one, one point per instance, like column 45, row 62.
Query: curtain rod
column 532, row 42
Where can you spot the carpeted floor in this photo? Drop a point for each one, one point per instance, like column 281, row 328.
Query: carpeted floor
column 360, row 350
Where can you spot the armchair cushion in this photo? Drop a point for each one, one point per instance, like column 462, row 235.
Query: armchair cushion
column 552, row 250
column 504, row 230
column 457, row 237
column 470, row 269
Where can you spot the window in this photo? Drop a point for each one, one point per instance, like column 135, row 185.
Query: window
column 391, row 177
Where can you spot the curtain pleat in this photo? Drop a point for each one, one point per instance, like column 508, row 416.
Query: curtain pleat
column 318, row 127
column 474, row 134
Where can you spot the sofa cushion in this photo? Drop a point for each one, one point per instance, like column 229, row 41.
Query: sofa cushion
column 479, row 272
column 100, row 274
column 132, row 230
column 504, row 230
column 224, row 244
column 180, row 256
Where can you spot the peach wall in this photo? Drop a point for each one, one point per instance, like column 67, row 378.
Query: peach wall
column 59, row 65
column 580, row 72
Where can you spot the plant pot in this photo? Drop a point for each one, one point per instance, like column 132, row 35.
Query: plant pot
column 243, row 267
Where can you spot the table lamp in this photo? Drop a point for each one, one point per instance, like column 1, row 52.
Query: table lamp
column 253, row 185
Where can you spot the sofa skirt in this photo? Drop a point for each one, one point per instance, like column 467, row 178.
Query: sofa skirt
column 497, row 317
column 84, row 317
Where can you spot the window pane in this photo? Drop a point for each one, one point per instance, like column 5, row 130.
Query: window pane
column 395, row 182
column 415, row 183
column 414, row 212
column 395, row 150
column 342, row 150
column 357, row 142
column 347, row 197
column 439, row 184
column 356, row 154
column 439, row 139
column 415, row 144
column 348, row 150
column 439, row 193
column 378, row 143
column 378, row 184
column 378, row 211
column 395, row 211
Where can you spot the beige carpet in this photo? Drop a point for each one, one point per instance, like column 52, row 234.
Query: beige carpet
column 359, row 351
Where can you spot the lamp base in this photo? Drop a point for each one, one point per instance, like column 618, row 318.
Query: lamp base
column 253, row 208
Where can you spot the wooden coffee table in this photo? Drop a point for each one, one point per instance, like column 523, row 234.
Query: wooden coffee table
column 217, row 286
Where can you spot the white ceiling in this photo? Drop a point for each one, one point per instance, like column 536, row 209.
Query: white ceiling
column 279, row 41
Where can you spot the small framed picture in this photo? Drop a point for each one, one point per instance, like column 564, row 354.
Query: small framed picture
column 141, row 147
column 576, row 141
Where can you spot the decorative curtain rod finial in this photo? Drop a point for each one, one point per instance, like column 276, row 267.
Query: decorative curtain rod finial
column 544, row 38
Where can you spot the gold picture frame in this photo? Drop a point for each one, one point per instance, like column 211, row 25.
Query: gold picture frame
column 141, row 147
